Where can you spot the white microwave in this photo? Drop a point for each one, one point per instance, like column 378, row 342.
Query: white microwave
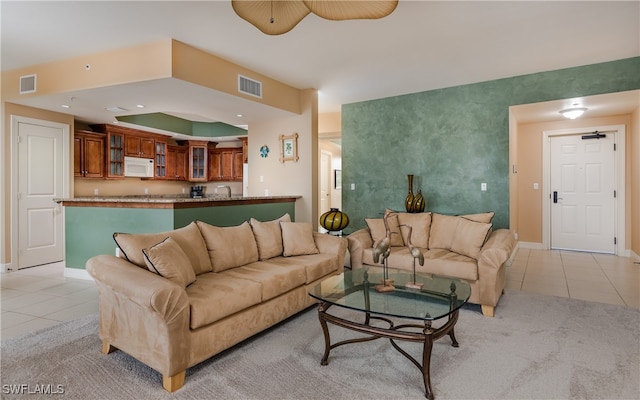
column 138, row 167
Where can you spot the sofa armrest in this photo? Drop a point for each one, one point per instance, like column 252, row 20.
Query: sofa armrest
column 495, row 252
column 358, row 241
column 329, row 244
column 143, row 314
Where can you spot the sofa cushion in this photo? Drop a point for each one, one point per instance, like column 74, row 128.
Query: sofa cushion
column 188, row 237
column 447, row 263
column 269, row 236
column 297, row 239
column 274, row 279
column 469, row 237
column 168, row 260
column 443, row 228
column 229, row 247
column 379, row 232
column 316, row 266
column 481, row 217
column 215, row 296
column 420, row 226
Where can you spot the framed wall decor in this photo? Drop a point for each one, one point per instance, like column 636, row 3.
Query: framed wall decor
column 289, row 147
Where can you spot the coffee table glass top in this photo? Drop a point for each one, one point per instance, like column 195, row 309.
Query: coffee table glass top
column 355, row 289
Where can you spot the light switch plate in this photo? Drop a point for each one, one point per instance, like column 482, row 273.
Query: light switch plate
column 483, row 187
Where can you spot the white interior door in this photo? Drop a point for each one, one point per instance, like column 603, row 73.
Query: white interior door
column 40, row 175
column 582, row 184
column 325, row 183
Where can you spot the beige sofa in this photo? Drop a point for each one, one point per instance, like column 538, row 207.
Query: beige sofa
column 174, row 299
column 462, row 247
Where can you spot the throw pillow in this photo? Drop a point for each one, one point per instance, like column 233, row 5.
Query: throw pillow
column 379, row 232
column 443, row 229
column 269, row 236
column 297, row 239
column 420, row 225
column 481, row 217
column 189, row 238
column 168, row 260
column 230, row 246
column 469, row 237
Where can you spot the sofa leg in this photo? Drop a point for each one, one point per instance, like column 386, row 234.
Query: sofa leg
column 107, row 348
column 173, row 383
column 488, row 311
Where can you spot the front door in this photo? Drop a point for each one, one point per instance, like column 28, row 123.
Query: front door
column 582, row 184
column 41, row 178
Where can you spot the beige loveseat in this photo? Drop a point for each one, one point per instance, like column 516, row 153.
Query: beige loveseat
column 463, row 247
column 174, row 299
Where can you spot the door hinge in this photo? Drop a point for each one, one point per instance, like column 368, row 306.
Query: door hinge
column 615, row 240
column 615, row 194
column 615, row 147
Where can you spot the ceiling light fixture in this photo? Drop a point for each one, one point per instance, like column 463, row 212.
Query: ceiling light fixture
column 573, row 113
column 65, row 106
column 275, row 17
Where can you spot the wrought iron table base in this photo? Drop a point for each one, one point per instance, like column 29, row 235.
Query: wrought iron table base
column 393, row 333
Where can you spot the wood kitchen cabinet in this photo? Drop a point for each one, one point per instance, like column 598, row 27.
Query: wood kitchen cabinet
column 225, row 164
column 177, row 162
column 198, row 157
column 88, row 152
column 139, row 146
column 161, row 160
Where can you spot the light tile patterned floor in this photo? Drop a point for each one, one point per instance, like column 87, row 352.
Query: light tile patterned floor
column 39, row 297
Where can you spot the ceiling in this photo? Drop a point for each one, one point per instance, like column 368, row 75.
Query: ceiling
column 422, row 45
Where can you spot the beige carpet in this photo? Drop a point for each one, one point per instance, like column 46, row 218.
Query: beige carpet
column 537, row 347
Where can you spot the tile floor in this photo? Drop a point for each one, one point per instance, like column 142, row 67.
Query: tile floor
column 39, row 297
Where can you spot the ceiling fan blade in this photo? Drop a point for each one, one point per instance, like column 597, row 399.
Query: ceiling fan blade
column 271, row 17
column 338, row 10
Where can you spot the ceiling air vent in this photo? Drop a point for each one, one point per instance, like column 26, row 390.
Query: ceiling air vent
column 249, row 86
column 27, row 84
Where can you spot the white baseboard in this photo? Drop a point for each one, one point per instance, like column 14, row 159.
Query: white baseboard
column 77, row 273
column 530, row 245
column 5, row 267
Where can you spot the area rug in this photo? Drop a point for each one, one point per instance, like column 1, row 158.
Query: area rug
column 537, row 347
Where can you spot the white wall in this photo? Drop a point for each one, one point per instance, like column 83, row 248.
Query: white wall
column 288, row 178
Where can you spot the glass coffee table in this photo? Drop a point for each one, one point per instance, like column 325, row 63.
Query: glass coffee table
column 439, row 298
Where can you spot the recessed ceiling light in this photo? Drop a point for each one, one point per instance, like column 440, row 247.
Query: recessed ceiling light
column 239, row 115
column 140, row 105
column 65, row 106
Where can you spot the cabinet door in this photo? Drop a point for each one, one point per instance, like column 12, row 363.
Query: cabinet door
column 77, row 156
column 238, row 161
column 226, row 165
column 93, row 157
column 215, row 165
column 181, row 164
column 115, row 155
column 147, row 147
column 131, row 146
column 161, row 160
column 198, row 163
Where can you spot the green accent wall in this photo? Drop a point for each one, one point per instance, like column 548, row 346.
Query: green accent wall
column 89, row 230
column 452, row 140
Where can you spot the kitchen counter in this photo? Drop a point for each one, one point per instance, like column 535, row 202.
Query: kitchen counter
column 90, row 222
column 171, row 201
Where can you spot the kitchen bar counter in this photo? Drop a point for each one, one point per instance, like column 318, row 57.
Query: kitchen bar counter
column 175, row 202
column 90, row 222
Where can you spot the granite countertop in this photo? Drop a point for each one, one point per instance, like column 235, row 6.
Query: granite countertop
column 168, row 199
